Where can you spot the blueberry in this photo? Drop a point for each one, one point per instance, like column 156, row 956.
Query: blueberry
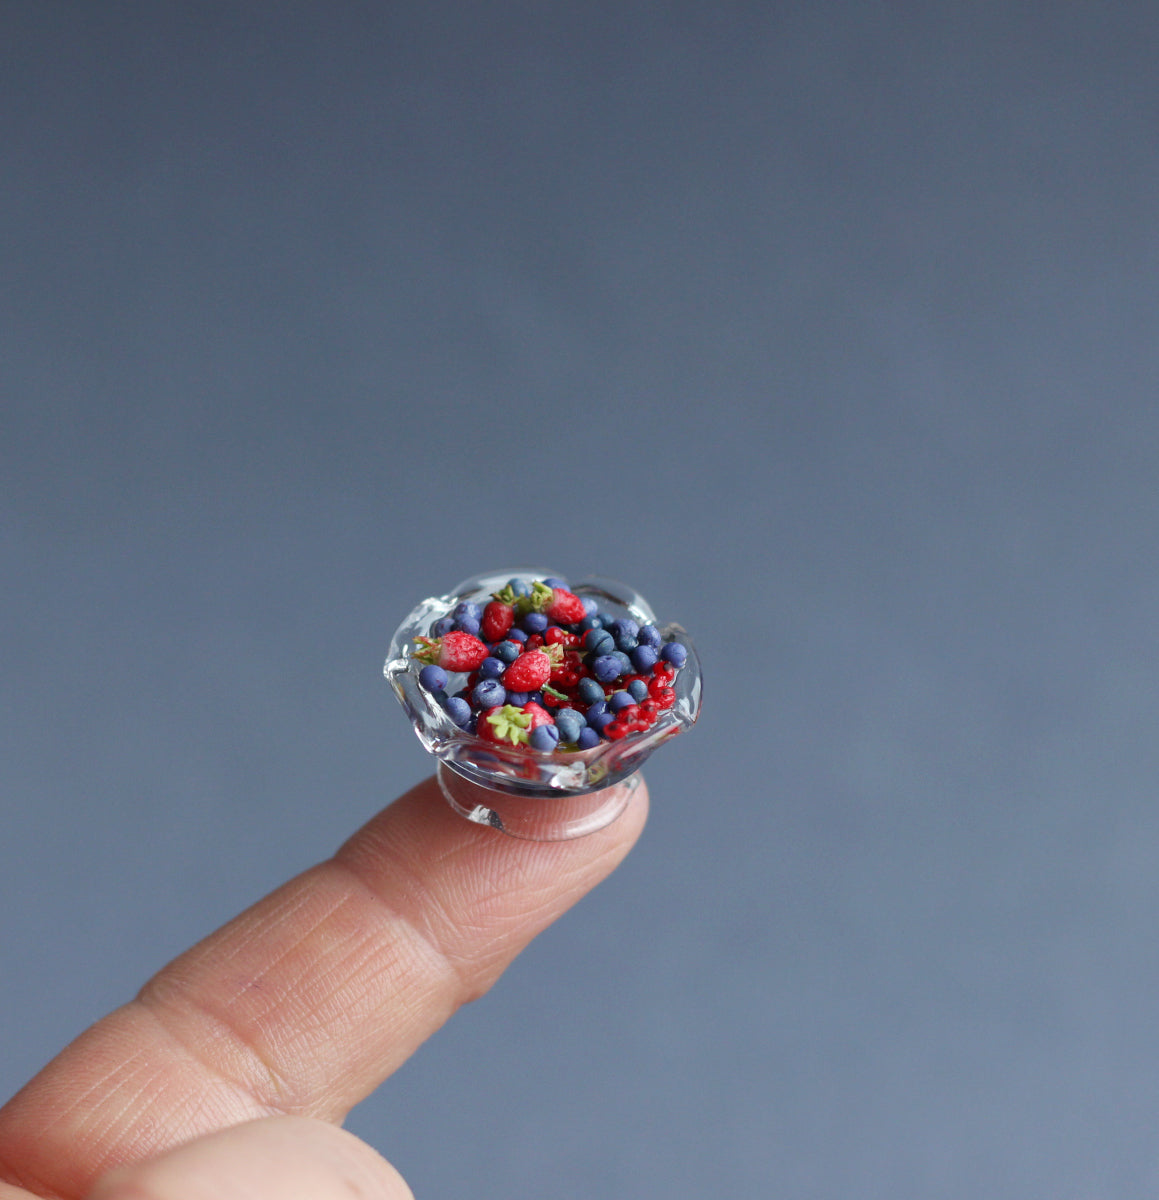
column 589, row 691
column 458, row 710
column 619, row 700
column 605, row 668
column 599, row 641
column 599, row 720
column 588, row 738
column 534, row 622
column 519, row 587
column 491, row 667
column 519, row 699
column 535, row 697
column 624, row 661
column 442, row 626
column 517, row 635
column 624, row 628
column 592, row 621
column 543, row 737
column 488, row 693
column 675, row 654
column 649, row 635
column 639, row 690
column 506, row 652
column 553, row 581
column 643, row 658
column 468, row 625
column 569, row 723
column 433, row 678
column 467, row 608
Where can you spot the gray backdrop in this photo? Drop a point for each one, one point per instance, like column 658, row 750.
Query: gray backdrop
column 832, row 328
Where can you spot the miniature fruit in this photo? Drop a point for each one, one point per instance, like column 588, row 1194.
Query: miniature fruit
column 454, row 651
column 541, row 669
column 570, row 724
column 497, row 620
column 529, row 671
column 504, row 723
column 433, row 678
column 564, row 607
column 544, row 738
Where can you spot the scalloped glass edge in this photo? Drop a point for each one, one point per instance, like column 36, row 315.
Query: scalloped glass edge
column 524, row 771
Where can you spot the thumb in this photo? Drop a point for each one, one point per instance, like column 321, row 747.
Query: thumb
column 274, row 1158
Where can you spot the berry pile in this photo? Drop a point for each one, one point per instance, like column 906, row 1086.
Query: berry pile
column 546, row 669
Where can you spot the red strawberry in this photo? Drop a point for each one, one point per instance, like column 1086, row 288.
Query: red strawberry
column 529, row 672
column 454, row 651
column 504, row 724
column 510, row 726
column 565, row 607
column 497, row 620
column 539, row 716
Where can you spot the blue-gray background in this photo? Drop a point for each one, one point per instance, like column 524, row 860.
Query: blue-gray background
column 832, row 328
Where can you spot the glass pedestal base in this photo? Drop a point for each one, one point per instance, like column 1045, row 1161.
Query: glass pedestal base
column 536, row 818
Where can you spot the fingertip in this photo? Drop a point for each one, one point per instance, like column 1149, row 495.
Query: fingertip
column 424, row 830
column 424, row 811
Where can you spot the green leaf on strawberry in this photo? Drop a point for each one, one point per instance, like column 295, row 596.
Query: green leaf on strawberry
column 509, row 724
column 540, row 598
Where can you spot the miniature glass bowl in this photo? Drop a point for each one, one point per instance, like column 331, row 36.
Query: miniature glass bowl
column 527, row 793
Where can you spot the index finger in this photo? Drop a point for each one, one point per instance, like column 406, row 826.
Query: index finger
column 309, row 999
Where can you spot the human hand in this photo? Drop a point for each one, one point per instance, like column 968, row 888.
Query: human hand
column 229, row 1074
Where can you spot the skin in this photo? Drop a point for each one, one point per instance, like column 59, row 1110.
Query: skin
column 229, row 1074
